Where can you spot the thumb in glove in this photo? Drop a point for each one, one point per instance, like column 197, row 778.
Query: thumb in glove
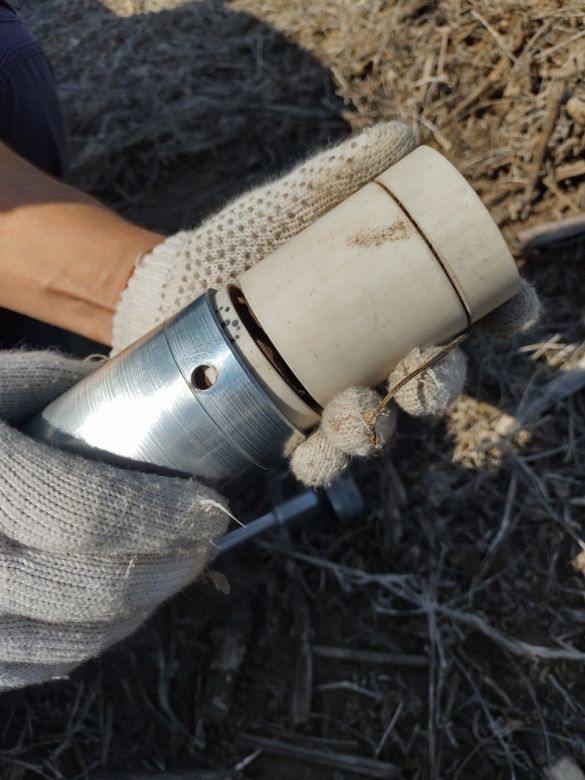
column 357, row 422
column 87, row 550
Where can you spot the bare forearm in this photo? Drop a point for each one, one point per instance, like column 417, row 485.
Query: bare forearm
column 64, row 258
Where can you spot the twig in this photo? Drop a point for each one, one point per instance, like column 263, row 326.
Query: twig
column 395, row 583
column 347, row 685
column 570, row 170
column 511, row 644
column 495, row 34
column 565, row 384
column 441, row 139
column 343, row 761
column 388, row 730
column 492, row 78
column 369, row 656
column 549, row 234
column 505, row 524
column 300, row 704
column 560, row 45
column 550, row 183
column 557, row 91
column 496, row 730
column 371, row 417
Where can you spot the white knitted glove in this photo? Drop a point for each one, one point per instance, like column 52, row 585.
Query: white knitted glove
column 87, row 550
column 252, row 227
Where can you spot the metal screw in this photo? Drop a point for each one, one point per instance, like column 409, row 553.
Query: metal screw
column 343, row 501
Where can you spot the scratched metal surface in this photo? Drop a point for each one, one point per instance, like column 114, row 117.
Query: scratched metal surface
column 142, row 407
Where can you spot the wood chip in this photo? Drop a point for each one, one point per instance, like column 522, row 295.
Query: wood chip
column 576, row 110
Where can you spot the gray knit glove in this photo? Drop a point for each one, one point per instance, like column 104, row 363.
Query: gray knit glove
column 252, row 227
column 87, row 550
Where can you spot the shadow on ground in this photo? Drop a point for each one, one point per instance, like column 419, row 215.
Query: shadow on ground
column 172, row 113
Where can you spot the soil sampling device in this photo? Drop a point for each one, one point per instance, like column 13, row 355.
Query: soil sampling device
column 411, row 259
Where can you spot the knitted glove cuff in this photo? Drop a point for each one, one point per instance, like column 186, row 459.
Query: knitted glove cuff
column 149, row 286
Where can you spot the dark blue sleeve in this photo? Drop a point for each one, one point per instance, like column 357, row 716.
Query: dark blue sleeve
column 31, row 120
column 32, row 124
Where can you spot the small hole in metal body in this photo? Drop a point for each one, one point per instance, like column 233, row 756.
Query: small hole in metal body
column 203, row 377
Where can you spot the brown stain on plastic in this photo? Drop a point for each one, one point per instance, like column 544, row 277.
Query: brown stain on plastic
column 377, row 236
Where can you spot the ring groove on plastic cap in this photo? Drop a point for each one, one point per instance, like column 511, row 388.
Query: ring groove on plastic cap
column 450, row 276
column 457, row 226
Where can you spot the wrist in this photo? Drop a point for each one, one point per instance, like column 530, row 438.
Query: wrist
column 75, row 280
column 64, row 258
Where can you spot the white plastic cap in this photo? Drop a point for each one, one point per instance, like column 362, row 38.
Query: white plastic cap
column 461, row 231
column 410, row 260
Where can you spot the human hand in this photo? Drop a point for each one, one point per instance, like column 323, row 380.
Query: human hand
column 252, row 227
column 360, row 421
column 87, row 550
column 64, row 257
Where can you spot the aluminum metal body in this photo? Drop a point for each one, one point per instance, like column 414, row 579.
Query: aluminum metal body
column 150, row 405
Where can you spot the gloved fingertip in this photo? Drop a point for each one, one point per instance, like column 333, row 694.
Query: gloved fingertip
column 30, row 379
column 380, row 146
column 293, row 441
column 430, row 393
column 83, row 506
column 316, row 462
column 346, row 422
column 21, row 675
column 394, row 131
column 516, row 316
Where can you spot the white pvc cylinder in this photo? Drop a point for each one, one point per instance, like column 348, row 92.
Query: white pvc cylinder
column 409, row 260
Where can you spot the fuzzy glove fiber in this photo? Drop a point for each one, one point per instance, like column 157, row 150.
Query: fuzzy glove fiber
column 252, row 227
column 87, row 550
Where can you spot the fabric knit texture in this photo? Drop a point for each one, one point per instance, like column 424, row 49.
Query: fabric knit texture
column 19, row 675
column 518, row 315
column 317, row 462
column 434, row 390
column 87, row 550
column 32, row 380
column 250, row 228
column 345, row 422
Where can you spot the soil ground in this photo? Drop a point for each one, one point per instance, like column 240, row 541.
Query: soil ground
column 441, row 634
